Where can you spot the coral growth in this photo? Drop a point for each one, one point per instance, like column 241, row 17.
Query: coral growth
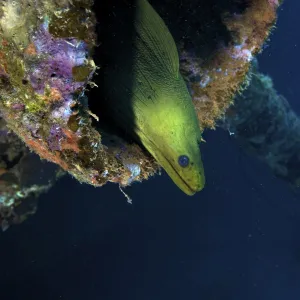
column 216, row 80
column 23, row 177
column 264, row 124
column 45, row 73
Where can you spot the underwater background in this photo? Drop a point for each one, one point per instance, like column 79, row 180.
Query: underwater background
column 237, row 239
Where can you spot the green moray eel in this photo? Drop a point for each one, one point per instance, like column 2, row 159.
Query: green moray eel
column 148, row 98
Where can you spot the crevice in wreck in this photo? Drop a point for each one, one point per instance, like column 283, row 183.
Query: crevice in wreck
column 115, row 31
column 115, row 34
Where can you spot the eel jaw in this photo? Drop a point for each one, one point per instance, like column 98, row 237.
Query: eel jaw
column 167, row 165
column 174, row 175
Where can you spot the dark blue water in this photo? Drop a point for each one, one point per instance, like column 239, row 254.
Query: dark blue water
column 238, row 239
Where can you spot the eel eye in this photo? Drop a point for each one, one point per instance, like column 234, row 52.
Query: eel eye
column 183, row 161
